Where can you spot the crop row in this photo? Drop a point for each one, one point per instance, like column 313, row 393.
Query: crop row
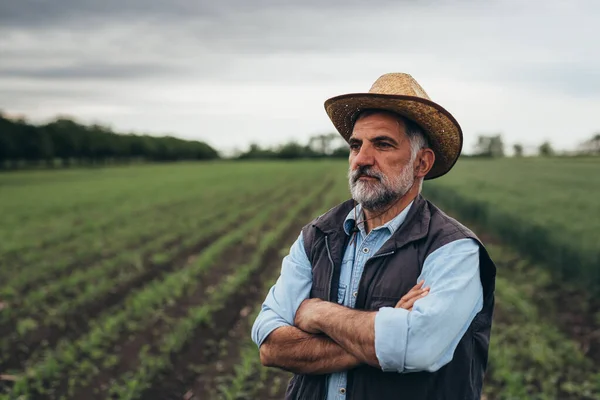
column 89, row 237
column 44, row 215
column 547, row 209
column 130, row 234
column 55, row 211
column 151, row 363
column 148, row 232
column 246, row 378
column 81, row 357
column 104, row 288
column 565, row 256
column 530, row 356
column 66, row 236
column 248, row 375
column 85, row 284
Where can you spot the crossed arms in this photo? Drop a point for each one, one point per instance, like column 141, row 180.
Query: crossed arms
column 328, row 337
column 310, row 336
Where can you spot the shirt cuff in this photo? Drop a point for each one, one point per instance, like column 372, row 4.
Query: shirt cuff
column 391, row 334
column 266, row 322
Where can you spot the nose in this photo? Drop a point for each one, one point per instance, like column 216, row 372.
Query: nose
column 364, row 157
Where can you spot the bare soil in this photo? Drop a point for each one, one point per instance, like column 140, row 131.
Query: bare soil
column 129, row 347
column 78, row 320
column 199, row 368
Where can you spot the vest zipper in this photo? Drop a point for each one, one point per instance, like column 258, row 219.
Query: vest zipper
column 331, row 271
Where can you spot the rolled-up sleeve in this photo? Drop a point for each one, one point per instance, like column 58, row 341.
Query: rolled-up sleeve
column 284, row 298
column 425, row 338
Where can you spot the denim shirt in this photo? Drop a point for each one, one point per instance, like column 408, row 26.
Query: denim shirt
column 404, row 341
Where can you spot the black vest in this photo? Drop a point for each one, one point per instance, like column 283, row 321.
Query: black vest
column 387, row 276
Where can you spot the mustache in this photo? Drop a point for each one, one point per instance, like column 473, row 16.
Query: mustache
column 365, row 170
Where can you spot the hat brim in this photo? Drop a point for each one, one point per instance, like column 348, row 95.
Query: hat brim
column 443, row 131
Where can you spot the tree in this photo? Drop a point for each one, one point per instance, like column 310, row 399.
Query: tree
column 546, row 149
column 591, row 146
column 341, row 152
column 518, row 148
column 489, row 146
column 325, row 144
column 292, row 150
column 9, row 149
column 63, row 138
column 66, row 137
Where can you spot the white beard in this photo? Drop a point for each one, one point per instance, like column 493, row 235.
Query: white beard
column 376, row 195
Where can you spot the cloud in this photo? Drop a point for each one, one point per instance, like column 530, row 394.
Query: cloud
column 261, row 70
column 87, row 71
column 36, row 14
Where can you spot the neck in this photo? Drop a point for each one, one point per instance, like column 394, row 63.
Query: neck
column 373, row 219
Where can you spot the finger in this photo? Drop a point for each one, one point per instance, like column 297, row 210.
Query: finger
column 416, row 291
column 416, row 287
column 409, row 304
column 413, row 293
column 407, row 300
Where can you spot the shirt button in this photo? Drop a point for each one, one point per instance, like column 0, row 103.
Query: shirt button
column 343, row 390
column 354, row 294
column 366, row 250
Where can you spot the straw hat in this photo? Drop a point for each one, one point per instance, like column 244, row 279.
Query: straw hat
column 402, row 94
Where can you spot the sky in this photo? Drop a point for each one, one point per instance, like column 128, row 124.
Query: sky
column 237, row 72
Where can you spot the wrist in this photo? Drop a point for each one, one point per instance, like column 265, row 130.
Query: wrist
column 323, row 315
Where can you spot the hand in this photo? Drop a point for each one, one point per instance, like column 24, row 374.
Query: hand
column 307, row 315
column 408, row 300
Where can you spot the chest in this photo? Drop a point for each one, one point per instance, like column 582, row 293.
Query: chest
column 364, row 275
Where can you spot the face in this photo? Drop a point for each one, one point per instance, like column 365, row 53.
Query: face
column 382, row 168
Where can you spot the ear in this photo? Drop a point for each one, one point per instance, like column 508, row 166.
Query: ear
column 424, row 162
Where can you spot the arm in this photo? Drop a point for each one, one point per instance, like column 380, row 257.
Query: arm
column 283, row 345
column 294, row 350
column 396, row 339
column 425, row 339
column 353, row 330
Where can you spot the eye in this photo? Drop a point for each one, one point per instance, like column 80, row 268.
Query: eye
column 354, row 146
column 384, row 145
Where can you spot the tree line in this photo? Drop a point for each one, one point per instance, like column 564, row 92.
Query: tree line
column 493, row 146
column 332, row 145
column 318, row 146
column 69, row 142
column 25, row 144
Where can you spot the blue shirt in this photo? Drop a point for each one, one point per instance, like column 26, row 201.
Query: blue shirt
column 423, row 339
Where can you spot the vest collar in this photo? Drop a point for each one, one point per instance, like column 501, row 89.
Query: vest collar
column 414, row 227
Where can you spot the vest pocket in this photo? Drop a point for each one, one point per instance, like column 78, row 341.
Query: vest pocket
column 379, row 302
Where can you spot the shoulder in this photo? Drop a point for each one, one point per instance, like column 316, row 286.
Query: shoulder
column 330, row 221
column 331, row 218
column 444, row 230
column 444, row 227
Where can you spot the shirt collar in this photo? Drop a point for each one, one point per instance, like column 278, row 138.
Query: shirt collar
column 392, row 225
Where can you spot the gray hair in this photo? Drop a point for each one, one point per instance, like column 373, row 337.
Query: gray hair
column 416, row 135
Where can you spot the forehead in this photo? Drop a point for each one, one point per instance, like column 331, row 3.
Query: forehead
column 379, row 124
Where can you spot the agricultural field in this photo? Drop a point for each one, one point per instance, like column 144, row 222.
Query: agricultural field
column 548, row 208
column 143, row 282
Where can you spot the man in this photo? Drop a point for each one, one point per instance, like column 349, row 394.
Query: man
column 384, row 296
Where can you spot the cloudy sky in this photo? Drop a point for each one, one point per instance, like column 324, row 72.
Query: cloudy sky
column 236, row 72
